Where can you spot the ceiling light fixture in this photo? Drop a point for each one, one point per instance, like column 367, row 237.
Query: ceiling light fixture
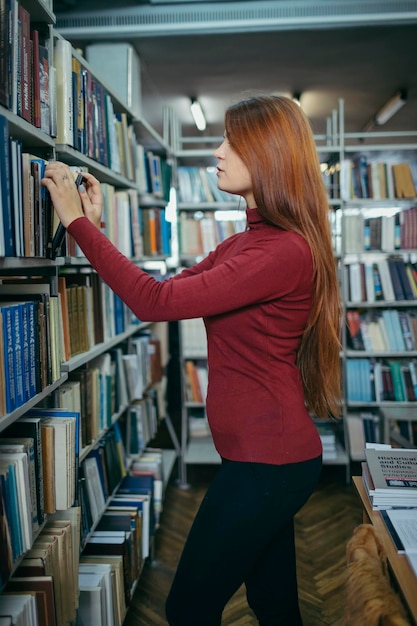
column 386, row 112
column 389, row 109
column 198, row 115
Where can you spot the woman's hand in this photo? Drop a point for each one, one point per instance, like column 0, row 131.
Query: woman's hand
column 70, row 202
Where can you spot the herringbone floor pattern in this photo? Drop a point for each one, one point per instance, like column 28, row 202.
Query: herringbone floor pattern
column 323, row 528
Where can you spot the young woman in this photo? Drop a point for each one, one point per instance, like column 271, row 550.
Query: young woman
column 270, row 302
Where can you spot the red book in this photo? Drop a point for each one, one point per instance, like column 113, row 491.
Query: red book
column 26, row 70
column 36, row 82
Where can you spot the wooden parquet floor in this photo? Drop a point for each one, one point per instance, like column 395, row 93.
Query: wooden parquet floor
column 323, row 528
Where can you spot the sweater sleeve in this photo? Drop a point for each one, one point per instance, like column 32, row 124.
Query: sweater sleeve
column 253, row 275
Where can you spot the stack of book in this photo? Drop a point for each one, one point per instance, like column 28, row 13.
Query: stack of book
column 328, row 440
column 390, row 476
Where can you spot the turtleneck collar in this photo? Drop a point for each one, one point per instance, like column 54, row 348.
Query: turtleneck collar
column 254, row 218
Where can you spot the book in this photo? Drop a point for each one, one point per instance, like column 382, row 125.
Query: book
column 96, row 575
column 64, row 92
column 6, row 188
column 8, row 477
column 31, row 427
column 112, row 543
column 122, row 73
column 402, row 526
column 26, row 65
column 6, row 550
column 43, row 588
column 18, row 461
column 25, row 445
column 393, row 472
column 21, row 607
column 116, row 564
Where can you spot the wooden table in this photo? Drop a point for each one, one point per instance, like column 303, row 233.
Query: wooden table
column 399, row 565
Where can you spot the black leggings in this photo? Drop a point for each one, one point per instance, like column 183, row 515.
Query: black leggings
column 244, row 533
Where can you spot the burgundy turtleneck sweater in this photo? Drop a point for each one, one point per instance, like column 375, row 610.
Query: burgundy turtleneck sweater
column 254, row 293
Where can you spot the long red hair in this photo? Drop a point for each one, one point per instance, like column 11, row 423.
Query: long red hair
column 273, row 137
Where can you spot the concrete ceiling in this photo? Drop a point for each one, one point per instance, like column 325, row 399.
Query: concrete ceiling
column 363, row 57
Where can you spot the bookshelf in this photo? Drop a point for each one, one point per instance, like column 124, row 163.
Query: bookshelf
column 67, row 343
column 378, row 256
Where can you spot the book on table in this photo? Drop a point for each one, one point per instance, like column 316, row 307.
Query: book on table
column 390, row 476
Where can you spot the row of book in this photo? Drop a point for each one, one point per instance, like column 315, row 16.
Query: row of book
column 199, row 184
column 24, row 68
column 86, row 120
column 391, row 230
column 39, row 464
column 362, row 427
column 200, row 233
column 329, row 440
column 115, row 382
column 381, row 381
column 42, row 472
column 30, row 357
column 65, row 100
column 385, row 279
column 40, row 331
column 362, row 177
column 29, row 223
column 48, row 574
column 27, row 214
column 195, row 381
column 193, row 338
column 389, row 330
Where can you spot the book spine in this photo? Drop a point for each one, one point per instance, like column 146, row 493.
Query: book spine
column 64, row 103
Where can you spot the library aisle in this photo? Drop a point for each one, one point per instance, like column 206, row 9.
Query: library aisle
column 323, row 529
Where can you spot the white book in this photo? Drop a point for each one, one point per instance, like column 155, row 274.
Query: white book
column 122, row 223
column 94, row 487
column 64, row 101
column 64, row 452
column 92, row 604
column 404, row 522
column 118, row 65
column 21, row 607
column 104, row 571
column 386, row 282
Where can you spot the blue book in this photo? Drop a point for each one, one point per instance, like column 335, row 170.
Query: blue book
column 139, row 485
column 119, row 315
column 17, row 330
column 6, row 188
column 9, row 363
column 7, row 502
column 165, row 234
column 15, row 526
column 143, row 504
column 396, row 326
column 388, row 322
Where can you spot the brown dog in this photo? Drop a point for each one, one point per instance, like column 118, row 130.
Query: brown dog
column 370, row 599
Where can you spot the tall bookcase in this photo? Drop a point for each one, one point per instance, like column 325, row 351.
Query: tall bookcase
column 337, row 150
column 377, row 248
column 67, row 342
